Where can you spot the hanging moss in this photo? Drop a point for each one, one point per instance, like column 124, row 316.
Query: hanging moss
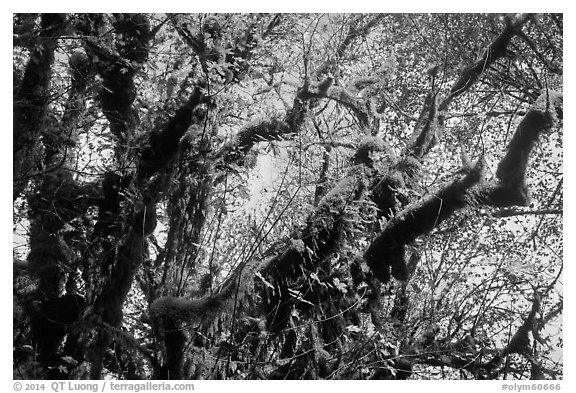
column 387, row 192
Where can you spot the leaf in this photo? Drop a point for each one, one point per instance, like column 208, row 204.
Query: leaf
column 264, row 280
column 342, row 287
column 298, row 295
column 70, row 360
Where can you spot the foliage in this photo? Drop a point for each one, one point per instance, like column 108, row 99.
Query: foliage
column 255, row 196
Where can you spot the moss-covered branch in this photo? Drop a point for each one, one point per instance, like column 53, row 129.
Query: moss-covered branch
column 32, row 98
column 510, row 189
column 276, row 129
column 432, row 116
column 321, row 237
column 385, row 254
column 117, row 67
column 187, row 130
column 496, row 50
column 387, row 250
column 164, row 142
column 56, row 202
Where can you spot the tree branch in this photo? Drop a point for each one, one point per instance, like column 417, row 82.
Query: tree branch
column 495, row 51
column 514, row 212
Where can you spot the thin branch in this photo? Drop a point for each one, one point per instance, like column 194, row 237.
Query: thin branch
column 551, row 67
column 495, row 51
column 514, row 212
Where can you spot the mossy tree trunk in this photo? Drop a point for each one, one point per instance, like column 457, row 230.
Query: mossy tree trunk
column 91, row 241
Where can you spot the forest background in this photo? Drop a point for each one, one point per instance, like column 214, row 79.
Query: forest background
column 308, row 289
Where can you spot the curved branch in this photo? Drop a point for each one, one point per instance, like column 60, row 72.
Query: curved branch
column 495, row 51
column 385, row 255
column 387, row 250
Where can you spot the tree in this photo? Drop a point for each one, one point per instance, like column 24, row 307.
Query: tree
column 287, row 196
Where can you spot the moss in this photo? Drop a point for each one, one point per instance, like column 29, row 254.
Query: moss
column 385, row 194
column 512, row 168
column 369, row 146
column 387, row 249
column 508, row 195
column 113, row 186
column 53, row 321
column 511, row 189
column 164, row 143
column 144, row 220
column 135, row 32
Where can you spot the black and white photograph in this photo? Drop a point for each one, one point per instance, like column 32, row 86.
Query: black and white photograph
column 287, row 196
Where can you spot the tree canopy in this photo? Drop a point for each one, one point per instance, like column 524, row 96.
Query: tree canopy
column 287, row 196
